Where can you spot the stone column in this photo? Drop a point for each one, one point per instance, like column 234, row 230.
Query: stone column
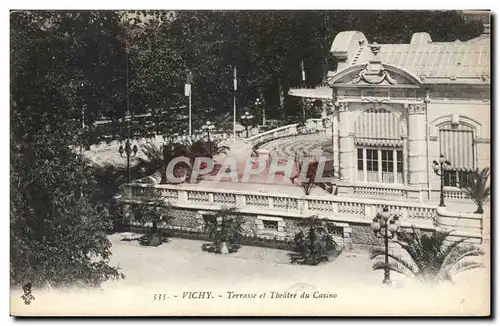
column 417, row 154
column 346, row 143
column 335, row 141
column 332, row 131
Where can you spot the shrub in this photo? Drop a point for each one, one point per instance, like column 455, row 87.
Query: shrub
column 314, row 243
column 225, row 229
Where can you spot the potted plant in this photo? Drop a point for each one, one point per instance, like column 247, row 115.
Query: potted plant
column 314, row 243
column 225, row 229
column 477, row 188
column 155, row 212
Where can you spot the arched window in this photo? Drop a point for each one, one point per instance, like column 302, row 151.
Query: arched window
column 456, row 143
column 379, row 146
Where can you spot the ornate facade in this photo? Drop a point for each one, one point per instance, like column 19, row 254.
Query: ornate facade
column 396, row 107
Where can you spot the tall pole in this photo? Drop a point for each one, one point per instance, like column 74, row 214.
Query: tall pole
column 128, row 113
column 128, row 167
column 187, row 92
column 440, row 167
column 333, row 145
column 190, row 128
column 209, row 143
column 387, row 279
column 234, row 104
column 234, row 117
column 441, row 197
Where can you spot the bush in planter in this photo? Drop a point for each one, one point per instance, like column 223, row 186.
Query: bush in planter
column 313, row 244
column 225, row 229
column 477, row 188
column 155, row 212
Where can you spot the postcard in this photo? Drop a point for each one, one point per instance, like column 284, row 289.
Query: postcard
column 250, row 163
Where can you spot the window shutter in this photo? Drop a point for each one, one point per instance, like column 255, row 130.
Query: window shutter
column 457, row 146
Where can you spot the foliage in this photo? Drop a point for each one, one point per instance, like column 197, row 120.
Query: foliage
column 157, row 159
column 429, row 257
column 477, row 188
column 57, row 231
column 224, row 227
column 155, row 212
column 265, row 46
column 313, row 243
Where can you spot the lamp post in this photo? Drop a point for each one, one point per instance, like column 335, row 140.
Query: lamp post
column 440, row 167
column 246, row 120
column 208, row 126
column 384, row 226
column 128, row 150
column 259, row 104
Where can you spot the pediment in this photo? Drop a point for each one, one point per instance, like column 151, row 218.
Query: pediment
column 373, row 74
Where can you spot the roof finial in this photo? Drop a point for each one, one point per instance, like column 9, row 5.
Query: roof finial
column 375, row 48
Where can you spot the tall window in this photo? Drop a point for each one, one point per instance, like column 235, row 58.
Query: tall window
column 372, row 165
column 383, row 165
column 456, row 178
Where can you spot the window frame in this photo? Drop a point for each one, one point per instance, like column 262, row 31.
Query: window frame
column 396, row 165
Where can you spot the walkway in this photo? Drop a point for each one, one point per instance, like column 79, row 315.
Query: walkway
column 174, row 269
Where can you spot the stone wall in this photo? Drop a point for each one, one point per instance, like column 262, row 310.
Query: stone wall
column 279, row 232
column 185, row 218
column 363, row 235
column 271, row 229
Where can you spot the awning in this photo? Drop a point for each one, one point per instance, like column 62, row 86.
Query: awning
column 457, row 146
column 379, row 142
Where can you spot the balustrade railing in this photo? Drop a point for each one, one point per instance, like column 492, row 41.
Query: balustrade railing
column 383, row 191
column 269, row 135
column 250, row 201
column 455, row 193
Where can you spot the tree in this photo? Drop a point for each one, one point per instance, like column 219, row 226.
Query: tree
column 429, row 257
column 477, row 188
column 313, row 243
column 58, row 233
column 225, row 228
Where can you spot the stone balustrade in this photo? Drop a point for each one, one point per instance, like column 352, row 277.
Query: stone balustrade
column 313, row 126
column 269, row 135
column 385, row 190
column 358, row 210
column 158, row 140
column 455, row 193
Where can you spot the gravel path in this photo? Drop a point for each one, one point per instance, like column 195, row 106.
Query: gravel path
column 179, row 269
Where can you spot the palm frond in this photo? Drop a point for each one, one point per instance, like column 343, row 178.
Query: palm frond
column 456, row 256
column 445, row 254
column 467, row 265
column 413, row 250
column 375, row 252
column 408, row 264
column 393, row 266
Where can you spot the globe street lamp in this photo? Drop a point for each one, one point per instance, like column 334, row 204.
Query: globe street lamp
column 246, row 120
column 208, row 126
column 128, row 150
column 386, row 227
column 258, row 104
column 440, row 169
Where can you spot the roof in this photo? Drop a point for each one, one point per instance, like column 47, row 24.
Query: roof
column 466, row 61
